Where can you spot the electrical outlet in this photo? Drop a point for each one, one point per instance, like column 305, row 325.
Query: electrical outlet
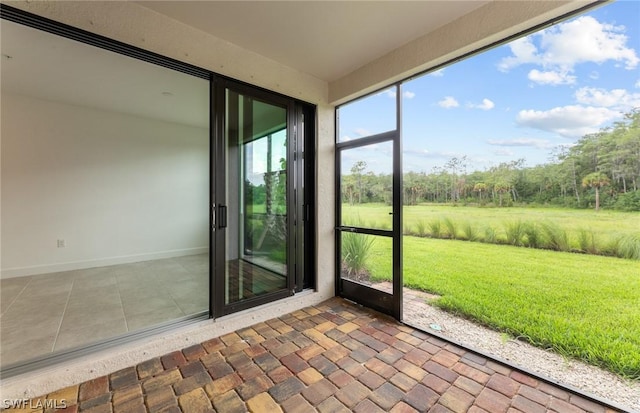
column 62, row 243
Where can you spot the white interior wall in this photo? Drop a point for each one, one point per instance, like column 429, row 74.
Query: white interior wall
column 139, row 26
column 116, row 187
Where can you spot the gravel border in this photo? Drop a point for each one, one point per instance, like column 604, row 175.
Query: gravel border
column 592, row 380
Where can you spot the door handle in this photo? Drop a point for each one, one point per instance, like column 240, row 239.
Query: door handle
column 222, row 216
column 346, row 229
column 213, row 217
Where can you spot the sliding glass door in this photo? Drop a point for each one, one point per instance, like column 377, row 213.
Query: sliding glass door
column 255, row 199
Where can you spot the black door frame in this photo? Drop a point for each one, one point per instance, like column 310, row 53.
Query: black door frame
column 300, row 195
column 390, row 304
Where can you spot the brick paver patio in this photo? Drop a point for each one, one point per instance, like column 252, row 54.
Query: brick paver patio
column 334, row 357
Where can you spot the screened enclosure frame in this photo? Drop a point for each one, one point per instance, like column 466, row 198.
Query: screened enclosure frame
column 382, row 301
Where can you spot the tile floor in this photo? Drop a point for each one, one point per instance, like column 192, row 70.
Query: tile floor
column 334, row 357
column 45, row 313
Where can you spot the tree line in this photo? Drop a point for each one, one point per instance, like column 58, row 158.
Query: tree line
column 601, row 170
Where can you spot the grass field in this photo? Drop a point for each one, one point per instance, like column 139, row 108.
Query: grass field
column 582, row 230
column 581, row 306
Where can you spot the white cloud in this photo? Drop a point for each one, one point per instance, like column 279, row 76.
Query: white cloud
column 530, row 142
column 551, row 77
column 620, row 99
column 392, row 94
column 594, row 75
column 587, row 40
column 503, row 152
column 485, row 105
column 448, row 102
column 425, row 153
column 637, row 84
column 362, row 132
column 408, row 95
column 524, row 51
column 561, row 47
column 568, row 121
column 417, row 152
column 437, row 73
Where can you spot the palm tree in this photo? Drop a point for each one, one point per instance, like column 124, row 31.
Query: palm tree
column 596, row 180
column 356, row 170
column 501, row 188
column 480, row 187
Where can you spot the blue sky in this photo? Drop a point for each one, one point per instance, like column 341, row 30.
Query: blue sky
column 524, row 99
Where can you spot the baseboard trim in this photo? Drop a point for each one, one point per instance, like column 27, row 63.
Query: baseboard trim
column 101, row 262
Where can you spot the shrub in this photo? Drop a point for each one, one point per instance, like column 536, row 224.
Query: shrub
column 355, row 251
column 451, row 228
column 490, row 235
column 435, row 227
column 626, row 246
column 587, row 242
column 555, row 237
column 532, row 231
column 470, row 232
column 515, row 233
column 421, row 228
column 628, row 202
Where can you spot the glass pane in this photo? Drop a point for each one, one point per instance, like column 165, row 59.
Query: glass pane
column 367, row 259
column 257, row 199
column 498, row 186
column 366, row 186
column 116, row 151
column 368, row 116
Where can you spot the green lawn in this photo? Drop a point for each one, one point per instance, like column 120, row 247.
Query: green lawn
column 585, row 230
column 582, row 306
column 603, row 222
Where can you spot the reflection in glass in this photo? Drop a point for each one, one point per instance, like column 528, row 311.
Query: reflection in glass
column 257, row 198
column 380, row 110
column 366, row 259
column 366, row 186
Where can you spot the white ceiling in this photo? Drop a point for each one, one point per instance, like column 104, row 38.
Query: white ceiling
column 342, row 35
column 50, row 67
